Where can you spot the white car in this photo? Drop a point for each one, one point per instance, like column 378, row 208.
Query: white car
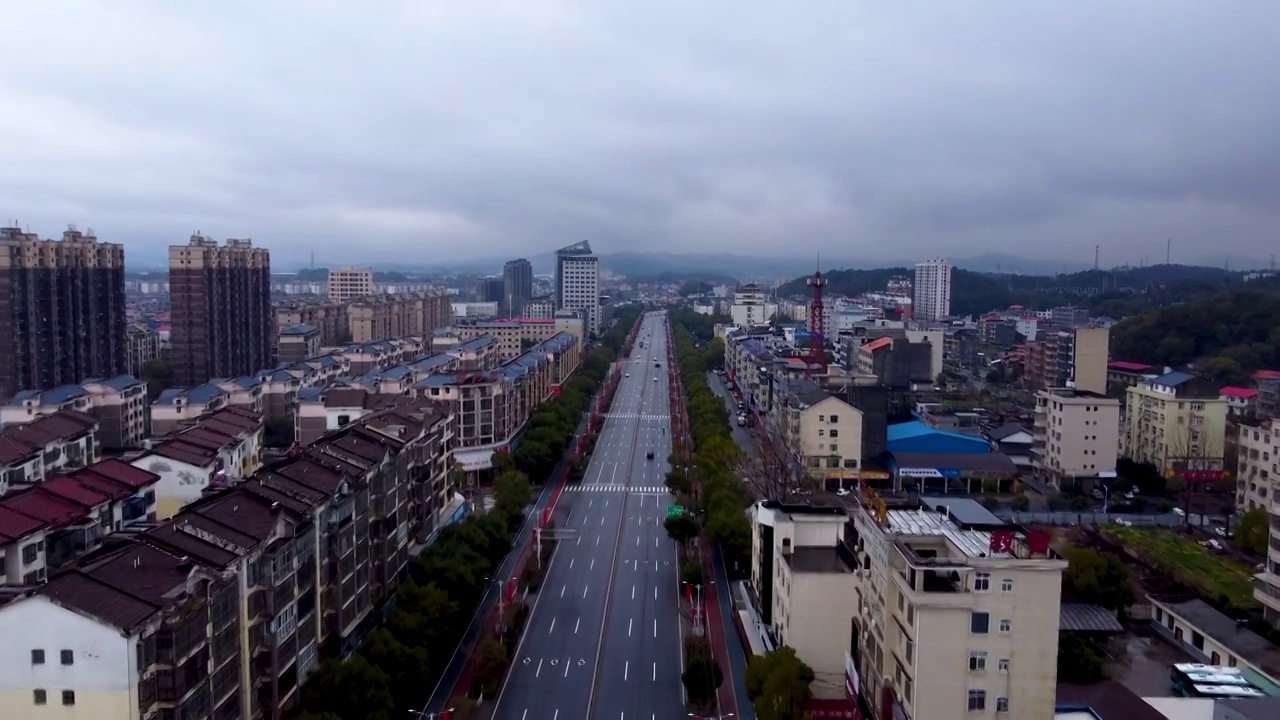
column 627, row 375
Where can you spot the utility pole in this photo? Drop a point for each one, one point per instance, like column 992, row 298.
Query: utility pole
column 1097, row 250
column 1168, row 251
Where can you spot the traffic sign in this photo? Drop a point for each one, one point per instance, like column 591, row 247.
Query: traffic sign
column 674, row 510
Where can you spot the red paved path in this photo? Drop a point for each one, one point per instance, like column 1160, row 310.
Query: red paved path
column 717, row 635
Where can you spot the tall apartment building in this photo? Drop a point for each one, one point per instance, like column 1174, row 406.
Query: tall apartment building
column 822, row 433
column 332, row 319
column 62, row 316
column 1075, row 437
column 1068, row 357
column 381, row 317
column 490, row 289
column 1178, row 423
column 517, row 287
column 220, row 297
column 349, row 282
column 578, row 283
column 751, row 306
column 931, row 291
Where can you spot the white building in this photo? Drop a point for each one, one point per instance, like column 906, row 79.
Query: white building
column 349, row 283
column 751, row 306
column 578, row 283
column 931, row 298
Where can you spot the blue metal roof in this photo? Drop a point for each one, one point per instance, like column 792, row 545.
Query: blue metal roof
column 514, row 372
column 310, row 393
column 22, row 395
column 915, row 429
column 397, row 372
column 247, row 382
column 61, row 394
column 201, row 394
column 438, row 380
column 299, row 329
column 431, row 362
column 167, row 397
column 282, row 376
column 1173, row 379
column 478, row 343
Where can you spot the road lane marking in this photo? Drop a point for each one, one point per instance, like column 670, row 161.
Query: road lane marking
column 602, row 519
column 655, row 672
column 526, row 712
column 629, row 621
column 655, row 592
column 593, row 564
column 626, row 669
column 562, row 589
column 576, row 623
column 655, row 542
column 538, row 672
column 584, row 592
column 553, row 628
column 579, row 540
column 570, row 563
column 597, row 541
column 655, row 627
column 637, row 541
column 633, row 592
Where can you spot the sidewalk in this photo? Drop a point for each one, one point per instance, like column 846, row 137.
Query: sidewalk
column 726, row 703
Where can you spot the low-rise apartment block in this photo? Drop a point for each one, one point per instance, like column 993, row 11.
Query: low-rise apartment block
column 65, row 440
column 52, row 523
column 217, row 449
column 329, row 318
column 516, row 336
column 142, row 345
column 348, row 283
column 821, row 432
column 1178, row 423
column 296, row 343
column 1258, row 467
column 479, row 353
column 1076, row 436
column 118, row 403
column 223, row 611
column 380, row 317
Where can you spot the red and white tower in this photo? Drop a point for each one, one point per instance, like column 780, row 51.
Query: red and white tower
column 817, row 327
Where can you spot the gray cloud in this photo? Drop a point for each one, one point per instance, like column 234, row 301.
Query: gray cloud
column 430, row 130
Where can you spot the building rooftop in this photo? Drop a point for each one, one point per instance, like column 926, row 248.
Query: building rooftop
column 1005, row 431
column 578, row 248
column 1068, row 393
column 1173, row 379
column 1106, row 700
column 1250, row 646
column 62, row 426
column 299, row 329
column 971, row 462
column 963, row 510
column 974, row 543
column 825, row 560
column 55, row 396
column 1238, row 392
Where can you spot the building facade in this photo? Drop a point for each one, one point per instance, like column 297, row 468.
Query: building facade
column 62, row 310
column 382, row 317
column 517, row 287
column 1068, row 357
column 1257, row 465
column 223, row 322
column 931, row 291
column 1178, row 423
column 751, row 306
column 1075, row 436
column 348, row 283
column 578, row 283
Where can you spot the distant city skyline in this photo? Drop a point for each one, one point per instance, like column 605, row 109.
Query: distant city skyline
column 876, row 131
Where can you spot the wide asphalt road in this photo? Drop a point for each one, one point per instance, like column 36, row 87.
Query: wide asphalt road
column 604, row 640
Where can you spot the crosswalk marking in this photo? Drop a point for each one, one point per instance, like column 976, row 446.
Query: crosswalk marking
column 618, row 488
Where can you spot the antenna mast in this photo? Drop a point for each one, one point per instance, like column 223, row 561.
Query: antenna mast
column 817, row 328
column 1097, row 249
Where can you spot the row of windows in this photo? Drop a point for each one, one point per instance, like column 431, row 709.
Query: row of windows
column 978, row 702
column 980, row 624
column 37, row 657
column 982, row 583
column 40, row 697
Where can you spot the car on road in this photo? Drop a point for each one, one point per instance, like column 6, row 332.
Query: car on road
column 648, row 455
column 627, row 375
column 655, row 379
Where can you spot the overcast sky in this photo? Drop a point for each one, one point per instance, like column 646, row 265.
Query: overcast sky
column 433, row 130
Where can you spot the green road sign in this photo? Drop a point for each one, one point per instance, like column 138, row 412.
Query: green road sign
column 674, row 510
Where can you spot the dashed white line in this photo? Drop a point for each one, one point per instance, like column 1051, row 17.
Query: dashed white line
column 626, row 669
column 633, row 592
column 629, row 626
column 576, row 623
column 597, row 541
column 538, row 672
column 526, row 712
column 637, row 541
column 570, row 563
column 593, row 564
column 562, row 589
column 655, row 592
column 655, row 672
column 655, row 542
column 553, row 626
column 655, row 627
column 584, row 592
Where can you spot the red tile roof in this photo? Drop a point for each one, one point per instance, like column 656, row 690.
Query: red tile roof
column 46, row 507
column 877, row 344
column 122, row 472
column 71, row 490
column 1266, row 375
column 1237, row 392
column 14, row 451
column 14, row 525
column 1128, row 366
column 61, row 426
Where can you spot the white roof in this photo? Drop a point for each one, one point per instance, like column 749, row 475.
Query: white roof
column 974, row 543
column 1182, row 708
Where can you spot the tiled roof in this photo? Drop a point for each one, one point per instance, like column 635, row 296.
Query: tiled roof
column 478, row 343
column 69, row 489
column 85, row 594
column 201, row 394
column 1006, row 431
column 61, row 426
column 14, row 525
column 1127, row 366
column 1174, row 379
column 14, row 451
column 1238, row 392
column 877, row 344
column 1084, row 617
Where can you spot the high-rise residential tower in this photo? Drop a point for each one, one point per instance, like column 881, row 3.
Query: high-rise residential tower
column 578, row 283
column 349, row 282
column 62, row 318
column 517, row 286
column 220, row 297
column 931, row 298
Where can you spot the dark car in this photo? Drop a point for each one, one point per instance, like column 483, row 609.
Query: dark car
column 648, row 455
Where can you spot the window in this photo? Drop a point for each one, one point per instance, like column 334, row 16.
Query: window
column 68, row 657
column 39, row 696
column 37, row 657
column 1002, row 704
column 977, row 661
column 1006, row 626
column 981, row 582
column 979, row 623
column 68, row 697
column 835, row 419
column 977, row 700
column 1006, row 586
column 1002, row 666
column 833, row 433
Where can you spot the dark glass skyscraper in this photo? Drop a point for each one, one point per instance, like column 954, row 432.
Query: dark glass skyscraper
column 517, row 286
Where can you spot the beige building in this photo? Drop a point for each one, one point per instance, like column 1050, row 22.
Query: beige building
column 516, row 336
column 751, row 306
column 824, row 431
column 297, row 343
column 330, row 318
column 119, row 404
column 349, row 283
column 1178, row 423
column 1076, row 436
column 1257, row 466
column 381, row 317
column 934, row 606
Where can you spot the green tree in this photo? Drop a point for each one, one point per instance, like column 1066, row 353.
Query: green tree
column 404, row 665
column 778, row 684
column 158, row 375
column 682, row 528
column 702, row 677
column 1077, row 662
column 1253, row 531
column 491, row 664
column 1097, row 578
column 350, row 689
